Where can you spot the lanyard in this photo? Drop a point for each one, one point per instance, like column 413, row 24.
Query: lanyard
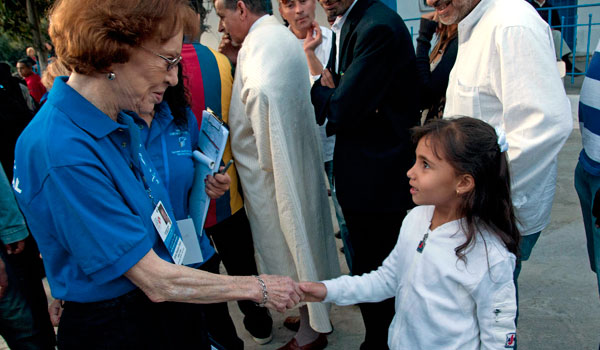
column 136, row 154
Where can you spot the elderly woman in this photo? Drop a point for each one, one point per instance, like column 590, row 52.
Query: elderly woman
column 89, row 190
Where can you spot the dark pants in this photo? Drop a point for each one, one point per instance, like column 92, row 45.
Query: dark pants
column 233, row 239
column 373, row 238
column 28, row 271
column 132, row 321
column 17, row 321
column 220, row 326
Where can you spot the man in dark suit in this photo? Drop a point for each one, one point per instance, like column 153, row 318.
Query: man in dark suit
column 368, row 95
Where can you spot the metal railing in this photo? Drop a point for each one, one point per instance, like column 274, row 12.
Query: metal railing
column 590, row 25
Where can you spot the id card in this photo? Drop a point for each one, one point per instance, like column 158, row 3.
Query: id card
column 164, row 227
column 193, row 254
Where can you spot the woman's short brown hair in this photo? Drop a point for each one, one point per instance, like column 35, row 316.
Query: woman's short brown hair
column 91, row 35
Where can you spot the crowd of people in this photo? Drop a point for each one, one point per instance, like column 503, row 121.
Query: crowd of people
column 441, row 164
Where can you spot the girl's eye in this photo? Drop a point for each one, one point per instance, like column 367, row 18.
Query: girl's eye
column 426, row 165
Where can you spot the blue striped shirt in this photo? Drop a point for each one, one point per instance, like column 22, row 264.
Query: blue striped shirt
column 589, row 117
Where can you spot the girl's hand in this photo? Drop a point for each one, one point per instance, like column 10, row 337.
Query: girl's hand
column 217, row 185
column 313, row 291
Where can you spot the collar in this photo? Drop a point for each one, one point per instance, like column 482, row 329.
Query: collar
column 81, row 111
column 468, row 23
column 540, row 3
column 257, row 22
column 340, row 20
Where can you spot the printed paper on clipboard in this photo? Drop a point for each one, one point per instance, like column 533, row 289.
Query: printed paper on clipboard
column 212, row 141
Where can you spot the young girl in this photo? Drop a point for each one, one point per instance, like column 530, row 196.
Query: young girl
column 452, row 268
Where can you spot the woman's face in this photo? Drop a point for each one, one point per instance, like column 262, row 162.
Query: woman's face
column 142, row 81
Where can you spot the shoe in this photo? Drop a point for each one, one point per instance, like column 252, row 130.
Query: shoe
column 263, row 341
column 293, row 324
column 318, row 344
column 260, row 325
column 338, row 235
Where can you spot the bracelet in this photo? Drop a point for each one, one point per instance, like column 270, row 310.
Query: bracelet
column 265, row 294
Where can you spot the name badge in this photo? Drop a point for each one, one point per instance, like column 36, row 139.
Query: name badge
column 164, row 227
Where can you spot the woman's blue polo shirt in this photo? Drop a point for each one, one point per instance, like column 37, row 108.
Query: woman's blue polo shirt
column 170, row 148
column 87, row 208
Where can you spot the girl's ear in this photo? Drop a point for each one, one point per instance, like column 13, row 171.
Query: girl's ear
column 466, row 183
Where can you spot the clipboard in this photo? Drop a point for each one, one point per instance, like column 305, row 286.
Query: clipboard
column 207, row 159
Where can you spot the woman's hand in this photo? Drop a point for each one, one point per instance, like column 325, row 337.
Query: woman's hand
column 313, row 291
column 55, row 310
column 283, row 292
column 217, row 185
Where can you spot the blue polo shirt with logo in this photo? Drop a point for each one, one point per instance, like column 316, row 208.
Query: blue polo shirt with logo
column 170, row 148
column 85, row 203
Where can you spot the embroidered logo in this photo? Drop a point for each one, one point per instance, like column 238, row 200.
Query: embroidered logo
column 182, row 140
column 511, row 339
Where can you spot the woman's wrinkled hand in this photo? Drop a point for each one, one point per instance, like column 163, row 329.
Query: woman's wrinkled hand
column 283, row 292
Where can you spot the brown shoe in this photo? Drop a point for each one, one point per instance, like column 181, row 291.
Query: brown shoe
column 318, row 344
column 293, row 324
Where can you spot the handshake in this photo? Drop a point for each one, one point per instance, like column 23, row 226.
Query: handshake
column 282, row 293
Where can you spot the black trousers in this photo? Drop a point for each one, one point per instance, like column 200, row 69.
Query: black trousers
column 221, row 329
column 233, row 240
column 132, row 321
column 373, row 238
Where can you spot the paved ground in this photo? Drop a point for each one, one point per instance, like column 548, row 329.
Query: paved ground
column 560, row 306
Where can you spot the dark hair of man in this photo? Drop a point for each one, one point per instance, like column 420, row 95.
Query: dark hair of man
column 26, row 61
column 471, row 147
column 201, row 10
column 177, row 99
column 258, row 7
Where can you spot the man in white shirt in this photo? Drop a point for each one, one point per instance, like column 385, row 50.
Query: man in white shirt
column 505, row 74
column 316, row 41
column 276, row 148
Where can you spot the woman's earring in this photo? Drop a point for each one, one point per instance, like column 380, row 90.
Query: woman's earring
column 457, row 192
column 111, row 76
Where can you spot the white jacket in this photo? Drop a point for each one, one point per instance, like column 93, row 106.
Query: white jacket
column 440, row 302
column 505, row 74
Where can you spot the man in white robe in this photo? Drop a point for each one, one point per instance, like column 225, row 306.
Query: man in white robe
column 277, row 152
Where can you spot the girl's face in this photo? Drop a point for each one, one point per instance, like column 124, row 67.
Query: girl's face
column 433, row 180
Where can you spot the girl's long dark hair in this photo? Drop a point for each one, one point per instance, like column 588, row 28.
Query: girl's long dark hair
column 177, row 99
column 471, row 147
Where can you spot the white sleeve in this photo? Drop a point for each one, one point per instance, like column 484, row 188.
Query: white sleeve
column 536, row 111
column 495, row 297
column 375, row 286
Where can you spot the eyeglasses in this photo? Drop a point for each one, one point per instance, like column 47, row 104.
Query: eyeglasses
column 171, row 62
